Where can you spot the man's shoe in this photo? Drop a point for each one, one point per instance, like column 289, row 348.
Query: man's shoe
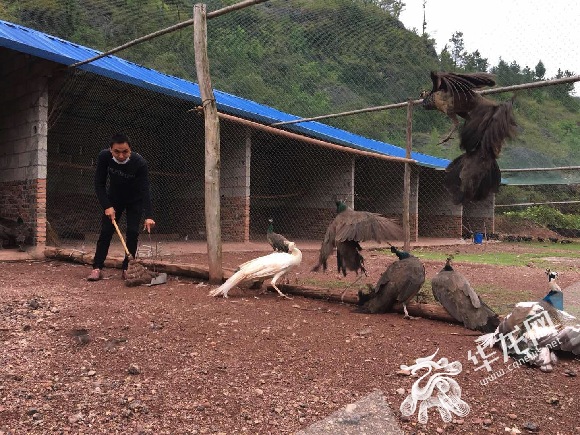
column 124, row 275
column 95, row 275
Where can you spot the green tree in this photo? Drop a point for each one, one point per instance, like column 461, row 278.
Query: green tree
column 475, row 63
column 393, row 7
column 540, row 70
column 457, row 49
column 446, row 60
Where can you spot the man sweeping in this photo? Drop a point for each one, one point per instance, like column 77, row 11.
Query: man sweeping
column 129, row 192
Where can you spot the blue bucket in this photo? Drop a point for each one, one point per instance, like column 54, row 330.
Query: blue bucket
column 478, row 238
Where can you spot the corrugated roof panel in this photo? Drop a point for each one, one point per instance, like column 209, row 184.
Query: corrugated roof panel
column 58, row 50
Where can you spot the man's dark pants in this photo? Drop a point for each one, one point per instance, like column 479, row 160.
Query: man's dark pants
column 134, row 212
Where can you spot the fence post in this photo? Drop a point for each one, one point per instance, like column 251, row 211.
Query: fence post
column 407, row 179
column 212, row 146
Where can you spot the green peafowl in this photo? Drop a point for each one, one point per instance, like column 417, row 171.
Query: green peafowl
column 533, row 330
column 278, row 242
column 474, row 174
column 274, row 265
column 347, row 229
column 453, row 291
column 398, row 284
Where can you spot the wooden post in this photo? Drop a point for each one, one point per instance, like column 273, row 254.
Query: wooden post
column 407, row 180
column 212, row 146
column 247, row 190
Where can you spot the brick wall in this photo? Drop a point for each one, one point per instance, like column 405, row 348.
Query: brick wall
column 23, row 140
column 233, row 219
column 440, row 226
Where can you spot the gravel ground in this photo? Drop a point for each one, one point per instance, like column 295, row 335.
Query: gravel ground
column 80, row 357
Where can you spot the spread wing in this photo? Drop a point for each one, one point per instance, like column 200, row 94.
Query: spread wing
column 361, row 226
column 327, row 247
column 358, row 226
column 460, row 86
column 460, row 83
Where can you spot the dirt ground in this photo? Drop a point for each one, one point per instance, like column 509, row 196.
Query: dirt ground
column 80, row 357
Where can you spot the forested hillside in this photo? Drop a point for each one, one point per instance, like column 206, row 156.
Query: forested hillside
column 311, row 57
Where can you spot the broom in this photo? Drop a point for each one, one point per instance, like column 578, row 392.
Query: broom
column 137, row 274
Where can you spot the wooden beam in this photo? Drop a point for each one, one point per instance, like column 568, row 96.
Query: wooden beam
column 212, row 146
column 407, row 180
column 311, row 140
column 169, row 29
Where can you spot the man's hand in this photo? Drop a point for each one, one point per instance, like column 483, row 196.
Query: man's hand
column 149, row 223
column 110, row 213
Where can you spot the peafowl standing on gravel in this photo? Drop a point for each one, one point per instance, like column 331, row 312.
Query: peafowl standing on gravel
column 398, row 284
column 454, row 292
column 274, row 265
column 533, row 330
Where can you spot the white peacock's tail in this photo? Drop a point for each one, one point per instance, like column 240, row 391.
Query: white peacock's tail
column 440, row 391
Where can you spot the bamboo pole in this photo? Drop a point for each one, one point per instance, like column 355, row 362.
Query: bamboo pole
column 311, row 140
column 169, row 29
column 557, row 168
column 407, row 180
column 497, row 90
column 528, row 204
column 350, row 112
column 212, row 146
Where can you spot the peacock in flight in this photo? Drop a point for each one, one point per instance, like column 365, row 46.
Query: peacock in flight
column 475, row 174
column 398, row 284
column 454, row 292
column 347, row 230
column 533, row 330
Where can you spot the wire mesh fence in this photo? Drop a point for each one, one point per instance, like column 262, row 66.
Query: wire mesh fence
column 302, row 57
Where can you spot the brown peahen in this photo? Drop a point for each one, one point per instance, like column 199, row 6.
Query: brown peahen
column 454, row 292
column 398, row 284
column 475, row 174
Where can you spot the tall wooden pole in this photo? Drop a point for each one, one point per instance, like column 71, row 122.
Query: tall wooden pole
column 212, row 146
column 407, row 179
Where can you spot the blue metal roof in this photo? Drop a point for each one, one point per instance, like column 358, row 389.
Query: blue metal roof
column 33, row 42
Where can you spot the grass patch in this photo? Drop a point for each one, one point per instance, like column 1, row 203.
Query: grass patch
column 502, row 300
column 499, row 299
column 535, row 255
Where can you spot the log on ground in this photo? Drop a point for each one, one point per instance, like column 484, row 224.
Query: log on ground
column 188, row 270
column 428, row 311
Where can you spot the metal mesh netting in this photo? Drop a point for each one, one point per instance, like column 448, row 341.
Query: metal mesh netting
column 288, row 179
column 303, row 57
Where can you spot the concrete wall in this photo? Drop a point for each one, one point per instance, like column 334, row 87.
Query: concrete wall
column 23, row 139
column 236, row 154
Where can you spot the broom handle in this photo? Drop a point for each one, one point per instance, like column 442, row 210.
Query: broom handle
column 121, row 237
